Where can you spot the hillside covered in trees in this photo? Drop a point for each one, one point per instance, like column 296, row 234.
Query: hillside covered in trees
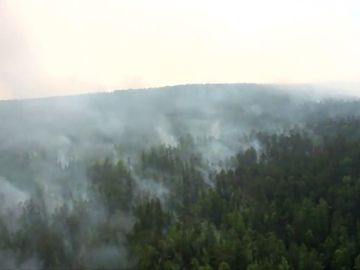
column 189, row 177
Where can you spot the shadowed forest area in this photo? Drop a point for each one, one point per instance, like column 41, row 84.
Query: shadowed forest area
column 237, row 176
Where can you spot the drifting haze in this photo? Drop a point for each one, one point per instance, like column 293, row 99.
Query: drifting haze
column 63, row 159
column 65, row 47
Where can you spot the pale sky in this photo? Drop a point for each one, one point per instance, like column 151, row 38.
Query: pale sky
column 59, row 47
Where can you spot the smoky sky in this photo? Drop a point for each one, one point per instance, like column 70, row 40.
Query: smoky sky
column 50, row 48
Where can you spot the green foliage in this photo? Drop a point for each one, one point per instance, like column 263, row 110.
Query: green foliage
column 293, row 205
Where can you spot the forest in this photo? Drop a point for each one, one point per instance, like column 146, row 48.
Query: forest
column 203, row 177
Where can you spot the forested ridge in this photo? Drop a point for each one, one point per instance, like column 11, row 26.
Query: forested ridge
column 284, row 198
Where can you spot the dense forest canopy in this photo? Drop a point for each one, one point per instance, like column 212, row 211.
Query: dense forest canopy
column 236, row 176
